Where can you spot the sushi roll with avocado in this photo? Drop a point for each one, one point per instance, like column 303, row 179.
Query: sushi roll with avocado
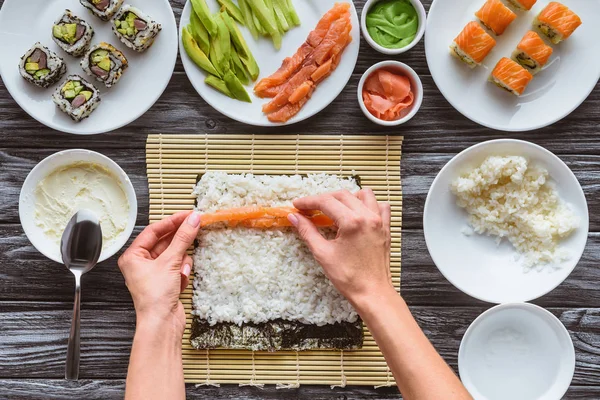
column 41, row 66
column 134, row 28
column 103, row 9
column 77, row 98
column 72, row 34
column 105, row 63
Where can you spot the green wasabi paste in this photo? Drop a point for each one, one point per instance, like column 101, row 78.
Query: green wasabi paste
column 393, row 24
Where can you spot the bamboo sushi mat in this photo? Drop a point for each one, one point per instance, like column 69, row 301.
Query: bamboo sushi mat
column 174, row 163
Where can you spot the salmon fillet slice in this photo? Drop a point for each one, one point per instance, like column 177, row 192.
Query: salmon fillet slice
column 260, row 217
column 317, row 35
column 282, row 97
column 288, row 111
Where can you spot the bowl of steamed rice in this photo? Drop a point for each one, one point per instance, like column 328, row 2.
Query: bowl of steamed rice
column 506, row 221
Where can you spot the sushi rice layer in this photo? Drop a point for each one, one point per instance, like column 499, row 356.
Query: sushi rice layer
column 254, row 276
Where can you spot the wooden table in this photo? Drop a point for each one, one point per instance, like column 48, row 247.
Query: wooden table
column 36, row 294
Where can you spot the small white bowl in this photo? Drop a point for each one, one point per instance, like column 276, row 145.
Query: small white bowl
column 416, row 85
column 422, row 23
column 475, row 264
column 517, row 352
column 63, row 158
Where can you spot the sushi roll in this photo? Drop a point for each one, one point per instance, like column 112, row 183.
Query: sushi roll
column 103, row 9
column 523, row 5
column 77, row 98
column 495, row 16
column 532, row 52
column 72, row 34
column 557, row 22
column 105, row 63
column 41, row 66
column 134, row 28
column 472, row 45
column 510, row 76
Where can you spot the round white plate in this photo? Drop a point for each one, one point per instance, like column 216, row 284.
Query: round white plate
column 25, row 22
column 475, row 264
column 36, row 235
column 567, row 80
column 517, row 352
column 269, row 60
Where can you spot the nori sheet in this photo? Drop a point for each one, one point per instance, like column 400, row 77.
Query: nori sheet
column 277, row 335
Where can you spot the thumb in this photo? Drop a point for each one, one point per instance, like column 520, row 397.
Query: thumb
column 308, row 232
column 185, row 235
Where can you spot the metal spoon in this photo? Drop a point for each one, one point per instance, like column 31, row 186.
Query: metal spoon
column 80, row 246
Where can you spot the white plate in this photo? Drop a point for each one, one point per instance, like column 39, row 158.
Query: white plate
column 36, row 235
column 568, row 79
column 475, row 264
column 269, row 60
column 25, row 22
column 516, row 352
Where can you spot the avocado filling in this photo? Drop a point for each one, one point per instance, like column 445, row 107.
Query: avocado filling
column 76, row 93
column 37, row 64
column 100, row 63
column 68, row 32
column 129, row 25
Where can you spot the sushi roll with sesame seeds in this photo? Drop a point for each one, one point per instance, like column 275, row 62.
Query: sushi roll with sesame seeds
column 105, row 63
column 77, row 98
column 103, row 9
column 41, row 66
column 72, row 34
column 134, row 28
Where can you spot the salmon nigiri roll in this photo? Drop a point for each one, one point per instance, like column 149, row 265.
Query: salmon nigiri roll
column 557, row 22
column 523, row 5
column 532, row 52
column 472, row 45
column 495, row 16
column 510, row 76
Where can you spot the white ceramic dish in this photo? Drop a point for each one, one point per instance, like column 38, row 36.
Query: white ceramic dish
column 517, row 352
column 139, row 88
column 416, row 85
column 269, row 60
column 475, row 264
column 27, row 200
column 567, row 80
column 384, row 50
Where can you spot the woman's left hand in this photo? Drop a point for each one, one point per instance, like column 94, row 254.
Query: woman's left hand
column 157, row 268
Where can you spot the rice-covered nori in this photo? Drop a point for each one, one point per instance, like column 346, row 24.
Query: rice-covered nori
column 77, row 98
column 41, row 66
column 277, row 335
column 105, row 63
column 134, row 28
column 72, row 34
column 103, row 9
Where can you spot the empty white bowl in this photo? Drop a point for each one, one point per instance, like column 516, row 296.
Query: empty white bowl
column 416, row 85
column 421, row 30
column 36, row 235
column 474, row 263
column 516, row 352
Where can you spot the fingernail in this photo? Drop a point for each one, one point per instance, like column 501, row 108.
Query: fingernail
column 293, row 219
column 194, row 219
column 187, row 270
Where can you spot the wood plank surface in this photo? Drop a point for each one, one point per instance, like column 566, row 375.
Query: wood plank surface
column 36, row 294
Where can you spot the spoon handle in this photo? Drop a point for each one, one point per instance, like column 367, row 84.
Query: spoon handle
column 72, row 368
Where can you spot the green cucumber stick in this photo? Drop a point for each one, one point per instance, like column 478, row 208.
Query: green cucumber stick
column 195, row 53
column 199, row 33
column 232, row 10
column 267, row 19
column 240, row 44
column 293, row 13
column 258, row 25
column 203, row 12
column 218, row 84
column 280, row 16
column 247, row 13
column 283, row 6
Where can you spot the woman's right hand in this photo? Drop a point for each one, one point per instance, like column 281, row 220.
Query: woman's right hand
column 357, row 261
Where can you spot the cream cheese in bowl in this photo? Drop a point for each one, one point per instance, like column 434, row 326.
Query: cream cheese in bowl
column 69, row 181
column 80, row 186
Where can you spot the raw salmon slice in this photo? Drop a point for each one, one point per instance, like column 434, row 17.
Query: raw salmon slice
column 524, row 4
column 496, row 16
column 535, row 47
column 282, row 97
column 475, row 42
column 288, row 111
column 511, row 76
column 317, row 35
column 560, row 18
column 245, row 215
